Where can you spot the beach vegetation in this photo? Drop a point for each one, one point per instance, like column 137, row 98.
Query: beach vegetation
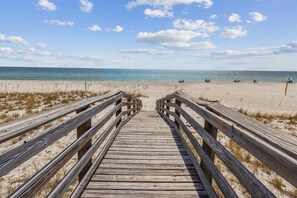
column 278, row 183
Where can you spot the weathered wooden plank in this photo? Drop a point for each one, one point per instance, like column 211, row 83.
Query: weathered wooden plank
column 141, row 153
column 147, row 157
column 144, row 186
column 146, row 178
column 20, row 126
column 144, row 172
column 145, row 149
column 145, row 161
column 147, row 166
column 143, row 193
column 18, row 155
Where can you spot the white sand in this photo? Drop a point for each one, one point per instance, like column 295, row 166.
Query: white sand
column 263, row 97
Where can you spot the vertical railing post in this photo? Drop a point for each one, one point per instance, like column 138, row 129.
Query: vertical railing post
column 119, row 112
column 178, row 103
column 167, row 107
column 129, row 107
column 162, row 106
column 80, row 131
column 213, row 131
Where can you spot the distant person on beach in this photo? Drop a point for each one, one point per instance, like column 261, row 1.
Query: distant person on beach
column 207, row 80
column 290, row 80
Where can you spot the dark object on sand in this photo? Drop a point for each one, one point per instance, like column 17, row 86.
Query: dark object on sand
column 207, row 80
column 181, row 81
column 254, row 81
column 290, row 80
column 236, row 81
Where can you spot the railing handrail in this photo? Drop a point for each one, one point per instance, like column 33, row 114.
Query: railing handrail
column 17, row 127
column 19, row 154
column 277, row 153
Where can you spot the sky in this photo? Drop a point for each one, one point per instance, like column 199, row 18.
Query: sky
column 150, row 34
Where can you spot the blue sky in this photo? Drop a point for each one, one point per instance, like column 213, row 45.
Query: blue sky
column 150, row 34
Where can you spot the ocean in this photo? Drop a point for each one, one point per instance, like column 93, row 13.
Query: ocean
column 139, row 75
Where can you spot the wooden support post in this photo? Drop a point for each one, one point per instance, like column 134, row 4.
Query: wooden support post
column 213, row 132
column 129, row 106
column 167, row 107
column 118, row 112
column 80, row 131
column 178, row 103
column 286, row 88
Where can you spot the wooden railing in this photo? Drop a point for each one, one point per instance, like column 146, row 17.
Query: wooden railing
column 125, row 108
column 273, row 148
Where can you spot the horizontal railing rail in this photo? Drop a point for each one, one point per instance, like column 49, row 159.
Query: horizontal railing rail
column 276, row 150
column 126, row 106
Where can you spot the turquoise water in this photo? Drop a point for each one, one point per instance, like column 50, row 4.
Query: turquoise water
column 82, row 74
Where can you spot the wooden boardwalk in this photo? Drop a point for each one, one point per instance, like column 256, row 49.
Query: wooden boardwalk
column 146, row 160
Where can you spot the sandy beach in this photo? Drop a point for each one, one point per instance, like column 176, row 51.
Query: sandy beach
column 254, row 97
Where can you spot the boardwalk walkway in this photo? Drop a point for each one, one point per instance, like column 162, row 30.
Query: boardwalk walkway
column 146, row 160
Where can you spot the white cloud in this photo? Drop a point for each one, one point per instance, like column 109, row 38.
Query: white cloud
column 60, row 23
column 234, row 18
column 31, row 50
column 6, row 50
column 257, row 17
column 190, row 45
column 46, row 5
column 234, row 32
column 118, row 29
column 158, row 13
column 41, row 45
column 168, row 36
column 86, row 6
column 255, row 52
column 175, row 39
column 148, row 51
column 200, row 25
column 167, row 3
column 213, row 16
column 13, row 39
column 94, row 28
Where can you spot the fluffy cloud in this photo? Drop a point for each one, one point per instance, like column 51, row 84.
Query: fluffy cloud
column 148, row 51
column 94, row 28
column 118, row 29
column 190, row 45
column 46, row 5
column 257, row 17
column 175, row 39
column 167, row 4
column 168, row 36
column 235, row 32
column 58, row 22
column 41, row 45
column 86, row 6
column 158, row 13
column 199, row 25
column 6, row 50
column 234, row 18
column 255, row 52
column 213, row 16
column 13, row 39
